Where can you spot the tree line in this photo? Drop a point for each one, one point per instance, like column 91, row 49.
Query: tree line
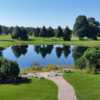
column 84, row 27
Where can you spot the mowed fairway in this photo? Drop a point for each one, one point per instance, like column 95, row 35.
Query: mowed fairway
column 6, row 40
column 87, row 86
column 36, row 90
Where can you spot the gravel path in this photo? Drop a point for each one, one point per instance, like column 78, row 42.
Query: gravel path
column 65, row 90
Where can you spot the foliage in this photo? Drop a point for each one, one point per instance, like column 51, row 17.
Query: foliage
column 67, row 34
column 86, row 27
column 8, row 69
column 81, row 26
column 59, row 32
column 19, row 33
column 89, row 60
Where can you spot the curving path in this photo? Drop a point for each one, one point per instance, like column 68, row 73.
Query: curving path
column 65, row 90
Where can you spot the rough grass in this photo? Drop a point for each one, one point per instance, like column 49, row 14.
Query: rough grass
column 36, row 90
column 87, row 86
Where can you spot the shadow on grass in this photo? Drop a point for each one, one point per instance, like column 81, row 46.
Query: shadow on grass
column 18, row 81
column 7, row 40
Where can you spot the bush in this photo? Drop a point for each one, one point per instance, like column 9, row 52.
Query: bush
column 81, row 63
column 8, row 69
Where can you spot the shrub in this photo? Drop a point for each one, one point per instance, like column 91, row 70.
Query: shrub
column 8, row 69
column 81, row 63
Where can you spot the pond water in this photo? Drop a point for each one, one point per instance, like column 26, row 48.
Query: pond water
column 42, row 55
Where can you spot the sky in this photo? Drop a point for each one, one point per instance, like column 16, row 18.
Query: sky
column 33, row 13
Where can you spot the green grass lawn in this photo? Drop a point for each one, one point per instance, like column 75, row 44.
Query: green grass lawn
column 87, row 86
column 36, row 90
column 5, row 40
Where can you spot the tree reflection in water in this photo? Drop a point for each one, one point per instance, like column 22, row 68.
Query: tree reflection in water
column 19, row 50
column 44, row 50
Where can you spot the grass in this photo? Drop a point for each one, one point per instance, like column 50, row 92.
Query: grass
column 36, row 90
column 87, row 86
column 5, row 41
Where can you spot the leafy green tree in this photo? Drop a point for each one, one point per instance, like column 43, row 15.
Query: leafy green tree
column 37, row 32
column 8, row 69
column 80, row 28
column 51, row 32
column 24, row 34
column 16, row 33
column 59, row 32
column 94, row 28
column 19, row 33
column 67, row 34
column 43, row 32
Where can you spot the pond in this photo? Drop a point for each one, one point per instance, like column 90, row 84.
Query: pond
column 42, row 55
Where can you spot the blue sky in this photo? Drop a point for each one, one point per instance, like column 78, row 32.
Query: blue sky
column 46, row 12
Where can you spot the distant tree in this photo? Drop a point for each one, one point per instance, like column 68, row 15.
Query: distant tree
column 0, row 29
column 67, row 34
column 16, row 33
column 51, row 32
column 23, row 35
column 19, row 33
column 94, row 28
column 11, row 30
column 86, row 27
column 5, row 30
column 43, row 32
column 30, row 31
column 80, row 28
column 37, row 32
column 59, row 32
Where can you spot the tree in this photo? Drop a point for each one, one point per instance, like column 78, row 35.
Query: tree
column 80, row 28
column 8, row 69
column 51, row 32
column 59, row 32
column 92, row 56
column 37, row 32
column 16, row 33
column 24, row 34
column 67, row 34
column 94, row 28
column 43, row 32
column 19, row 33
column 86, row 27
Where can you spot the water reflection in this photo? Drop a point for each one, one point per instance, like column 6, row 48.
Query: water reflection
column 63, row 50
column 19, row 50
column 78, row 51
column 28, row 55
column 44, row 50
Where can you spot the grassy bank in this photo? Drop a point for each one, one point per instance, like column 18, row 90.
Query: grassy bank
column 5, row 40
column 87, row 86
column 36, row 90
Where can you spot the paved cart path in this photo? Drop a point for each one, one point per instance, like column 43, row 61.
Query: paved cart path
column 65, row 90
